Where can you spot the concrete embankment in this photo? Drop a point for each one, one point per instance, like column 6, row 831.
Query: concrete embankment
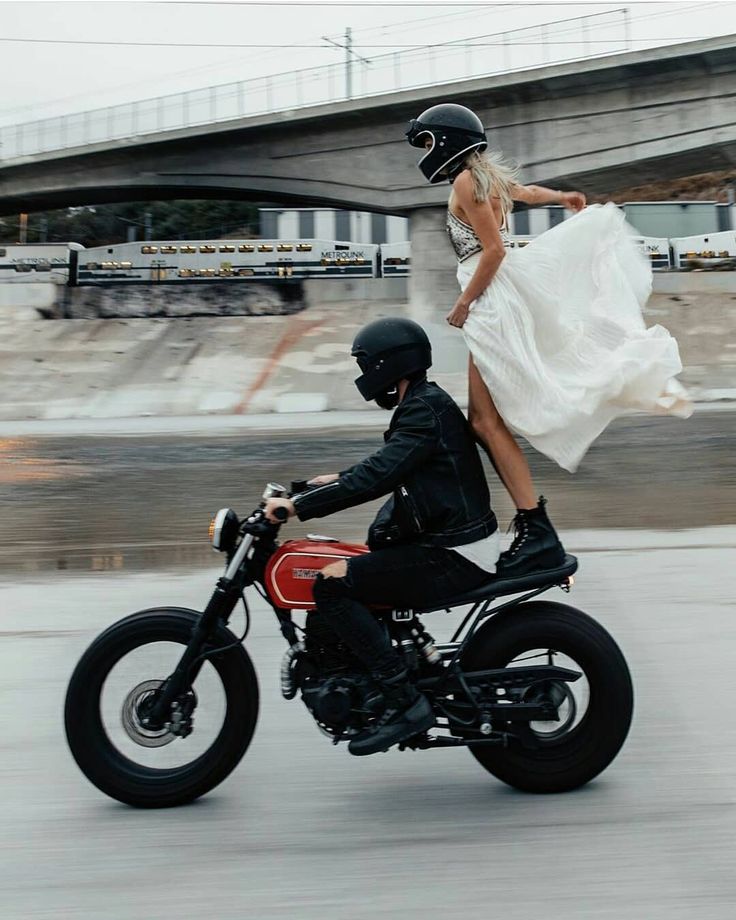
column 117, row 368
column 21, row 299
column 46, row 300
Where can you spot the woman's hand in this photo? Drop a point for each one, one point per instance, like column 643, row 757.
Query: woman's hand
column 323, row 480
column 573, row 201
column 457, row 316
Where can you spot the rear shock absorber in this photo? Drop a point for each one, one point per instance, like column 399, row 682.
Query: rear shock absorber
column 407, row 646
column 425, row 643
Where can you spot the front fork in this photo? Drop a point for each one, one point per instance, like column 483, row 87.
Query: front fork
column 220, row 607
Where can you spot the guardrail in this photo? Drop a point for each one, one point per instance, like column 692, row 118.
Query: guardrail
column 579, row 38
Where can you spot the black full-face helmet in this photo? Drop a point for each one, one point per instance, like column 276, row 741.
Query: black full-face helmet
column 387, row 351
column 455, row 132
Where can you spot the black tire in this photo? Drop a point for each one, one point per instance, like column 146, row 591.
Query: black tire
column 124, row 779
column 573, row 759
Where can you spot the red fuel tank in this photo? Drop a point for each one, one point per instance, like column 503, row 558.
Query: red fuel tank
column 292, row 569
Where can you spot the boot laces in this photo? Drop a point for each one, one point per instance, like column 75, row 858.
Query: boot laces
column 520, row 526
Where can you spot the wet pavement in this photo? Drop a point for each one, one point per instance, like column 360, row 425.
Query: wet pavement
column 131, row 503
column 95, row 528
column 303, row 831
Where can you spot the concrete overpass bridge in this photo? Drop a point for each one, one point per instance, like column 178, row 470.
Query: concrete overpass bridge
column 596, row 125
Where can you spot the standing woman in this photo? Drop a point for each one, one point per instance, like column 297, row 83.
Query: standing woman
column 558, row 346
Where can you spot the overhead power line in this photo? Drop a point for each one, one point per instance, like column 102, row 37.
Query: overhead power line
column 385, row 29
column 462, row 43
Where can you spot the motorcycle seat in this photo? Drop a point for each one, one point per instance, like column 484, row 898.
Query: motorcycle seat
column 497, row 587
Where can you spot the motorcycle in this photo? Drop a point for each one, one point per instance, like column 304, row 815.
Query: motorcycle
column 537, row 691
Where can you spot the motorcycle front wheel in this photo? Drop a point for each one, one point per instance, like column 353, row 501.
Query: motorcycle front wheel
column 594, row 712
column 211, row 727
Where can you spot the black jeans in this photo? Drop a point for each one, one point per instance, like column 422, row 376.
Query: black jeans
column 399, row 577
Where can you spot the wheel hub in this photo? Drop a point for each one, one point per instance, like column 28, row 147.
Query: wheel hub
column 137, row 705
column 560, row 695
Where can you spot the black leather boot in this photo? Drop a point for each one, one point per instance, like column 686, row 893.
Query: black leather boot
column 408, row 712
column 536, row 546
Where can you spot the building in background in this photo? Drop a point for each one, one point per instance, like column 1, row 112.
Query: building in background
column 661, row 219
column 679, row 218
column 365, row 227
column 332, row 224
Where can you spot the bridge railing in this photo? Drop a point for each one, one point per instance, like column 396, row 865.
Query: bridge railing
column 579, row 38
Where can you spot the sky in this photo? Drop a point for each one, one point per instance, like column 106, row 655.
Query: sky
column 84, row 69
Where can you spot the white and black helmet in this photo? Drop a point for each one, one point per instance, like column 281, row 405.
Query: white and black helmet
column 455, row 132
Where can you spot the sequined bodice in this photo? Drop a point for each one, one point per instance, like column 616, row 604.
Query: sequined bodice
column 463, row 238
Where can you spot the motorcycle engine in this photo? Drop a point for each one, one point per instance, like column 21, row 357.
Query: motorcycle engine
column 331, row 701
column 333, row 682
column 341, row 705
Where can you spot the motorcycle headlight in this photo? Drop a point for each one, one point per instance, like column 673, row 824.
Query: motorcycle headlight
column 224, row 530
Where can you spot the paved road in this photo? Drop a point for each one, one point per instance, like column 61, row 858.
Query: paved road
column 304, row 831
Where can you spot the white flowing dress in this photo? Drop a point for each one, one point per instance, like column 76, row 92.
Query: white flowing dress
column 559, row 338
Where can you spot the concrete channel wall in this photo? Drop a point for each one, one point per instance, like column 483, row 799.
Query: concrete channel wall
column 31, row 300
column 293, row 362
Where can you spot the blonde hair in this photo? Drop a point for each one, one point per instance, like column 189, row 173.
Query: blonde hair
column 492, row 175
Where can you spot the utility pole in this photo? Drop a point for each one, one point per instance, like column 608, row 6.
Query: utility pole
column 23, row 228
column 350, row 56
column 349, row 62
column 148, row 226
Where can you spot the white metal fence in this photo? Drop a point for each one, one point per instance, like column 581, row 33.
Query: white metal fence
column 484, row 55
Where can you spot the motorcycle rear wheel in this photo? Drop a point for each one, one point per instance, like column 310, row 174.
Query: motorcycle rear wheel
column 92, row 746
column 563, row 759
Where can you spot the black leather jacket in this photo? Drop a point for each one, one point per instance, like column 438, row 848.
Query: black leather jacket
column 431, row 465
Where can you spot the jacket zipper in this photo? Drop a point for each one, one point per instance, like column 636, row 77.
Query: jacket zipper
column 411, row 508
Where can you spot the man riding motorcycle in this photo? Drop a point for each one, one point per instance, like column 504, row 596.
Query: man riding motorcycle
column 436, row 536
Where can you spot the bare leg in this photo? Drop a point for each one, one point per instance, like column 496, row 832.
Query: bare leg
column 495, row 438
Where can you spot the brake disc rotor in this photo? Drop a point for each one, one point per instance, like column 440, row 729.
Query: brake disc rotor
column 130, row 717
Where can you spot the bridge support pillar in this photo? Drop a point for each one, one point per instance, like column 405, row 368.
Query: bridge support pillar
column 433, row 288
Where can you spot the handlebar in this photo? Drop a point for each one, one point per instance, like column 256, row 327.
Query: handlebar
column 257, row 523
